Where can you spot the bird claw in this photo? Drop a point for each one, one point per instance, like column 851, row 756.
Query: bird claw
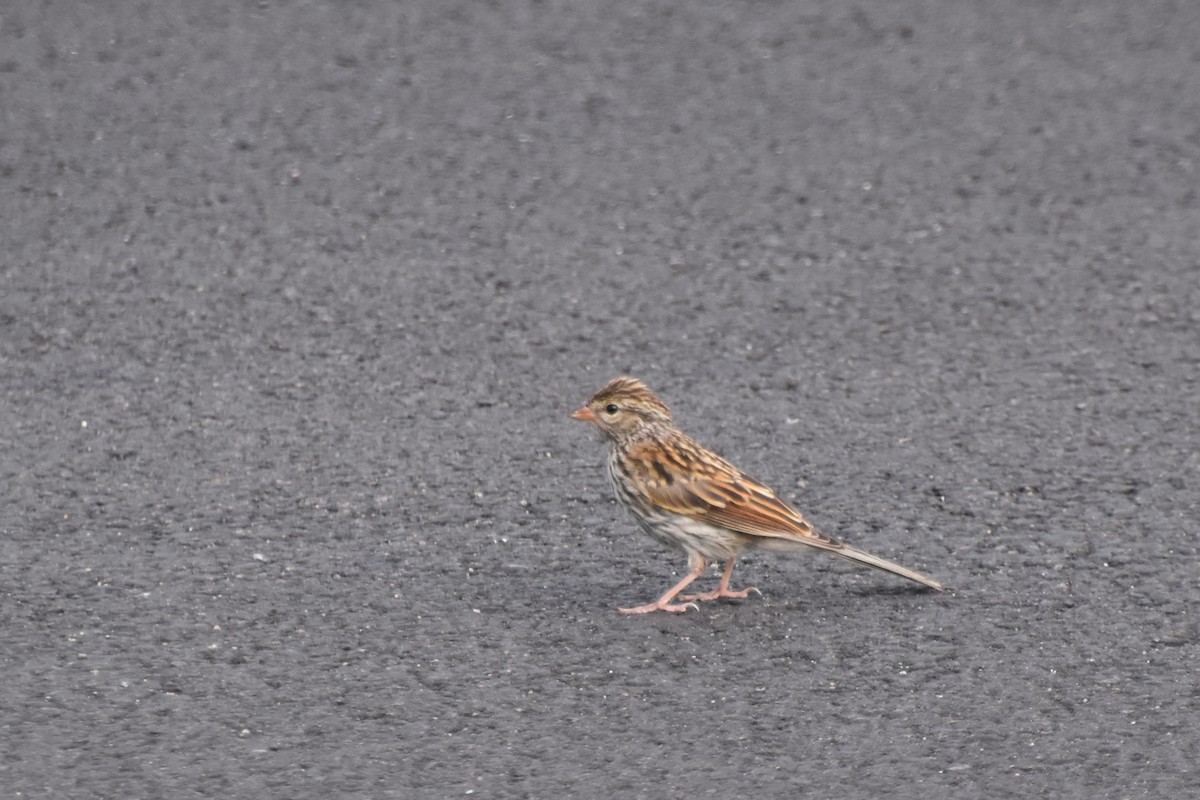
column 674, row 608
column 716, row 594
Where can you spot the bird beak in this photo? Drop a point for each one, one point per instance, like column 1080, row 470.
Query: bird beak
column 584, row 414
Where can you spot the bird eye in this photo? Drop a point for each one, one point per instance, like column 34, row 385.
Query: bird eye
column 611, row 408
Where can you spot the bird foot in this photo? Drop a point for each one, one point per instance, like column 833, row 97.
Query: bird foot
column 717, row 593
column 659, row 605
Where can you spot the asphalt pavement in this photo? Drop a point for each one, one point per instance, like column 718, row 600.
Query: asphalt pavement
column 296, row 298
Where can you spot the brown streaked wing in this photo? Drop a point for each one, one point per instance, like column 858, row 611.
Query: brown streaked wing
column 683, row 477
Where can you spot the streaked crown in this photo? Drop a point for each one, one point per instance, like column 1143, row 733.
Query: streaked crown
column 623, row 407
column 633, row 394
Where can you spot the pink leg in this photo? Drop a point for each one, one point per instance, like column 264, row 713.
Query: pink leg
column 723, row 590
column 664, row 603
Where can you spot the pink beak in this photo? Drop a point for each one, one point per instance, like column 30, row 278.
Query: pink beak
column 584, row 414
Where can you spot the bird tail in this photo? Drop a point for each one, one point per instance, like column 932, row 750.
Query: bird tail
column 859, row 557
column 836, row 548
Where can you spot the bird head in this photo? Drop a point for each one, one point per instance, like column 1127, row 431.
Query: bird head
column 623, row 408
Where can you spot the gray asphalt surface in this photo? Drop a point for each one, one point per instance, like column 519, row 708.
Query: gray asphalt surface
column 295, row 299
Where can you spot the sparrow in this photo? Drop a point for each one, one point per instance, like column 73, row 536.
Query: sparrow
column 688, row 497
